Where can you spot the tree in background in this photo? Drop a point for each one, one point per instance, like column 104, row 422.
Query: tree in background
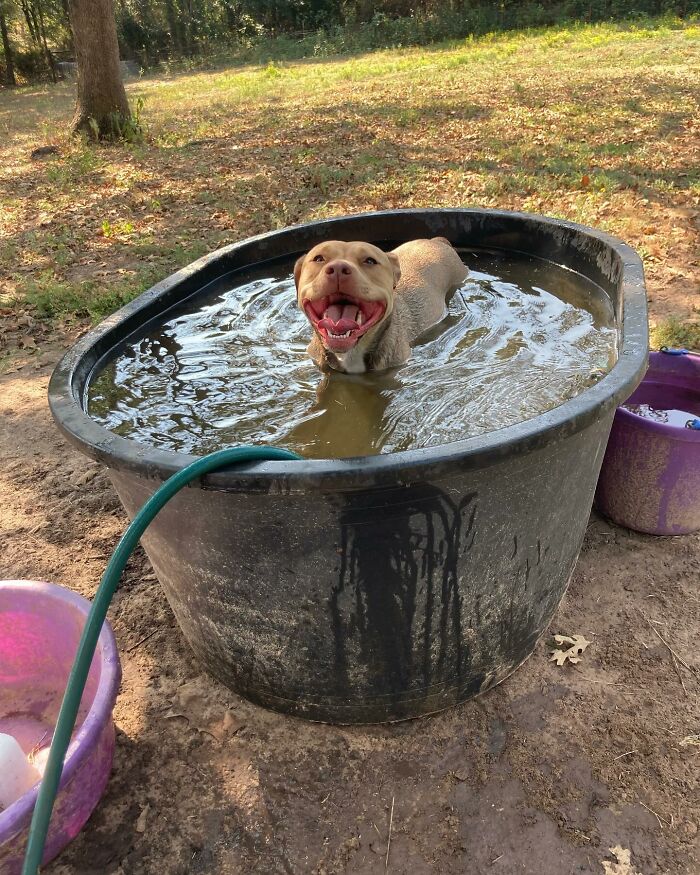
column 36, row 32
column 34, row 16
column 102, row 109
column 7, row 49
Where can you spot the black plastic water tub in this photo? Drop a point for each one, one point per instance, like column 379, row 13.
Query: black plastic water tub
column 382, row 587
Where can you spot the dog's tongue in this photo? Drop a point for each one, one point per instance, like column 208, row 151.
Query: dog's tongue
column 339, row 327
column 340, row 318
column 336, row 312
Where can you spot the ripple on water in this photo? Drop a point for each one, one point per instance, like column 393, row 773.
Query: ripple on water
column 520, row 336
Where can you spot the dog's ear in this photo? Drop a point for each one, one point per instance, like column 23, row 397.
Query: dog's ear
column 394, row 261
column 297, row 269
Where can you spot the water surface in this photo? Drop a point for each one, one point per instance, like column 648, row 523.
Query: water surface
column 521, row 336
column 666, row 416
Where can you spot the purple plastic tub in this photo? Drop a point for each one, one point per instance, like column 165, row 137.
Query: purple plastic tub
column 650, row 479
column 40, row 625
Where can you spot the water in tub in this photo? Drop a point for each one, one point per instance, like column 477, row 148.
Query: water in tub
column 229, row 367
column 678, row 416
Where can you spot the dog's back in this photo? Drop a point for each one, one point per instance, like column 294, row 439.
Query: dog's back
column 430, row 270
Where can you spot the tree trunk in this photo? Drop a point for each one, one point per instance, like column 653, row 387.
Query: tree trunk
column 102, row 106
column 66, row 19
column 173, row 26
column 37, row 35
column 47, row 52
column 10, row 80
column 30, row 25
column 185, row 19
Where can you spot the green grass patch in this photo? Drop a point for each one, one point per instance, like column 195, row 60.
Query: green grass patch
column 679, row 333
column 62, row 301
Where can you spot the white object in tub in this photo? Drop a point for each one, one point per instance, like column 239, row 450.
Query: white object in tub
column 17, row 774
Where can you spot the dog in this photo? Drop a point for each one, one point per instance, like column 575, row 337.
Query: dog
column 367, row 307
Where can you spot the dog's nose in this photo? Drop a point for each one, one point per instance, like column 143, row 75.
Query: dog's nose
column 338, row 267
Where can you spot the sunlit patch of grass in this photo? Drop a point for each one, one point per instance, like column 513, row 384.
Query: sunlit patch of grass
column 678, row 333
column 73, row 169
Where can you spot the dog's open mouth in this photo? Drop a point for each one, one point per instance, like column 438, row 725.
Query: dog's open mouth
column 342, row 320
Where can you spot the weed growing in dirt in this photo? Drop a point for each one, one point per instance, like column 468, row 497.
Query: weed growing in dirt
column 675, row 332
column 66, row 301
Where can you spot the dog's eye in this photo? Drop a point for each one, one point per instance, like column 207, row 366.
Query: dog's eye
column 370, row 260
column 318, row 258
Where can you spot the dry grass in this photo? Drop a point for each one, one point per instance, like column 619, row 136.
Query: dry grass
column 595, row 124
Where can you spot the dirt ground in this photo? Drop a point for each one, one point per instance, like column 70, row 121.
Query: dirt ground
column 590, row 768
column 556, row 767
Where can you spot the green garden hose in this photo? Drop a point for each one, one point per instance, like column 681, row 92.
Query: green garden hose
column 98, row 612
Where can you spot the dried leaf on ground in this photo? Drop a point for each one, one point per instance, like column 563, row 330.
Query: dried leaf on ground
column 198, row 703
column 573, row 654
column 141, row 822
column 685, row 212
column 82, row 478
column 623, row 864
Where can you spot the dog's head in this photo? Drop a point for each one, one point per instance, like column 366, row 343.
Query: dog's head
column 346, row 291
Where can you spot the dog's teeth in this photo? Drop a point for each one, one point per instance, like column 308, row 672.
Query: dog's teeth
column 360, row 317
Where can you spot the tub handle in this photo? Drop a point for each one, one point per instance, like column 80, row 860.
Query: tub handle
column 670, row 350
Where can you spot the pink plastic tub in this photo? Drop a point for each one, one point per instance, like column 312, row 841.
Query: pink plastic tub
column 40, row 625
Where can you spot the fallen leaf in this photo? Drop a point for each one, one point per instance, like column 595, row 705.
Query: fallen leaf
column 578, row 645
column 84, row 477
column 141, row 822
column 685, row 212
column 585, row 180
column 623, row 864
column 197, row 701
column 230, row 723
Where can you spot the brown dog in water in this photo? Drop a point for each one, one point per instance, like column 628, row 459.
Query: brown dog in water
column 367, row 306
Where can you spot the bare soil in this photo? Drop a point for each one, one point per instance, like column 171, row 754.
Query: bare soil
column 543, row 775
column 551, row 770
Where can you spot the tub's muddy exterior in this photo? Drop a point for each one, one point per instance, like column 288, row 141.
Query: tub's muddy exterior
column 384, row 587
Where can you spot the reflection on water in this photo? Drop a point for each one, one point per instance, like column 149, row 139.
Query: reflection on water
column 520, row 337
column 672, row 416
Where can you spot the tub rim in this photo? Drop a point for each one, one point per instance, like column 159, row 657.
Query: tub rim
column 67, row 385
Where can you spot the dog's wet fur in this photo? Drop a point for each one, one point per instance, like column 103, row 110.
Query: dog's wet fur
column 366, row 306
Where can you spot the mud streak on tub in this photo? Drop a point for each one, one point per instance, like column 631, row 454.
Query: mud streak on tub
column 415, row 555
